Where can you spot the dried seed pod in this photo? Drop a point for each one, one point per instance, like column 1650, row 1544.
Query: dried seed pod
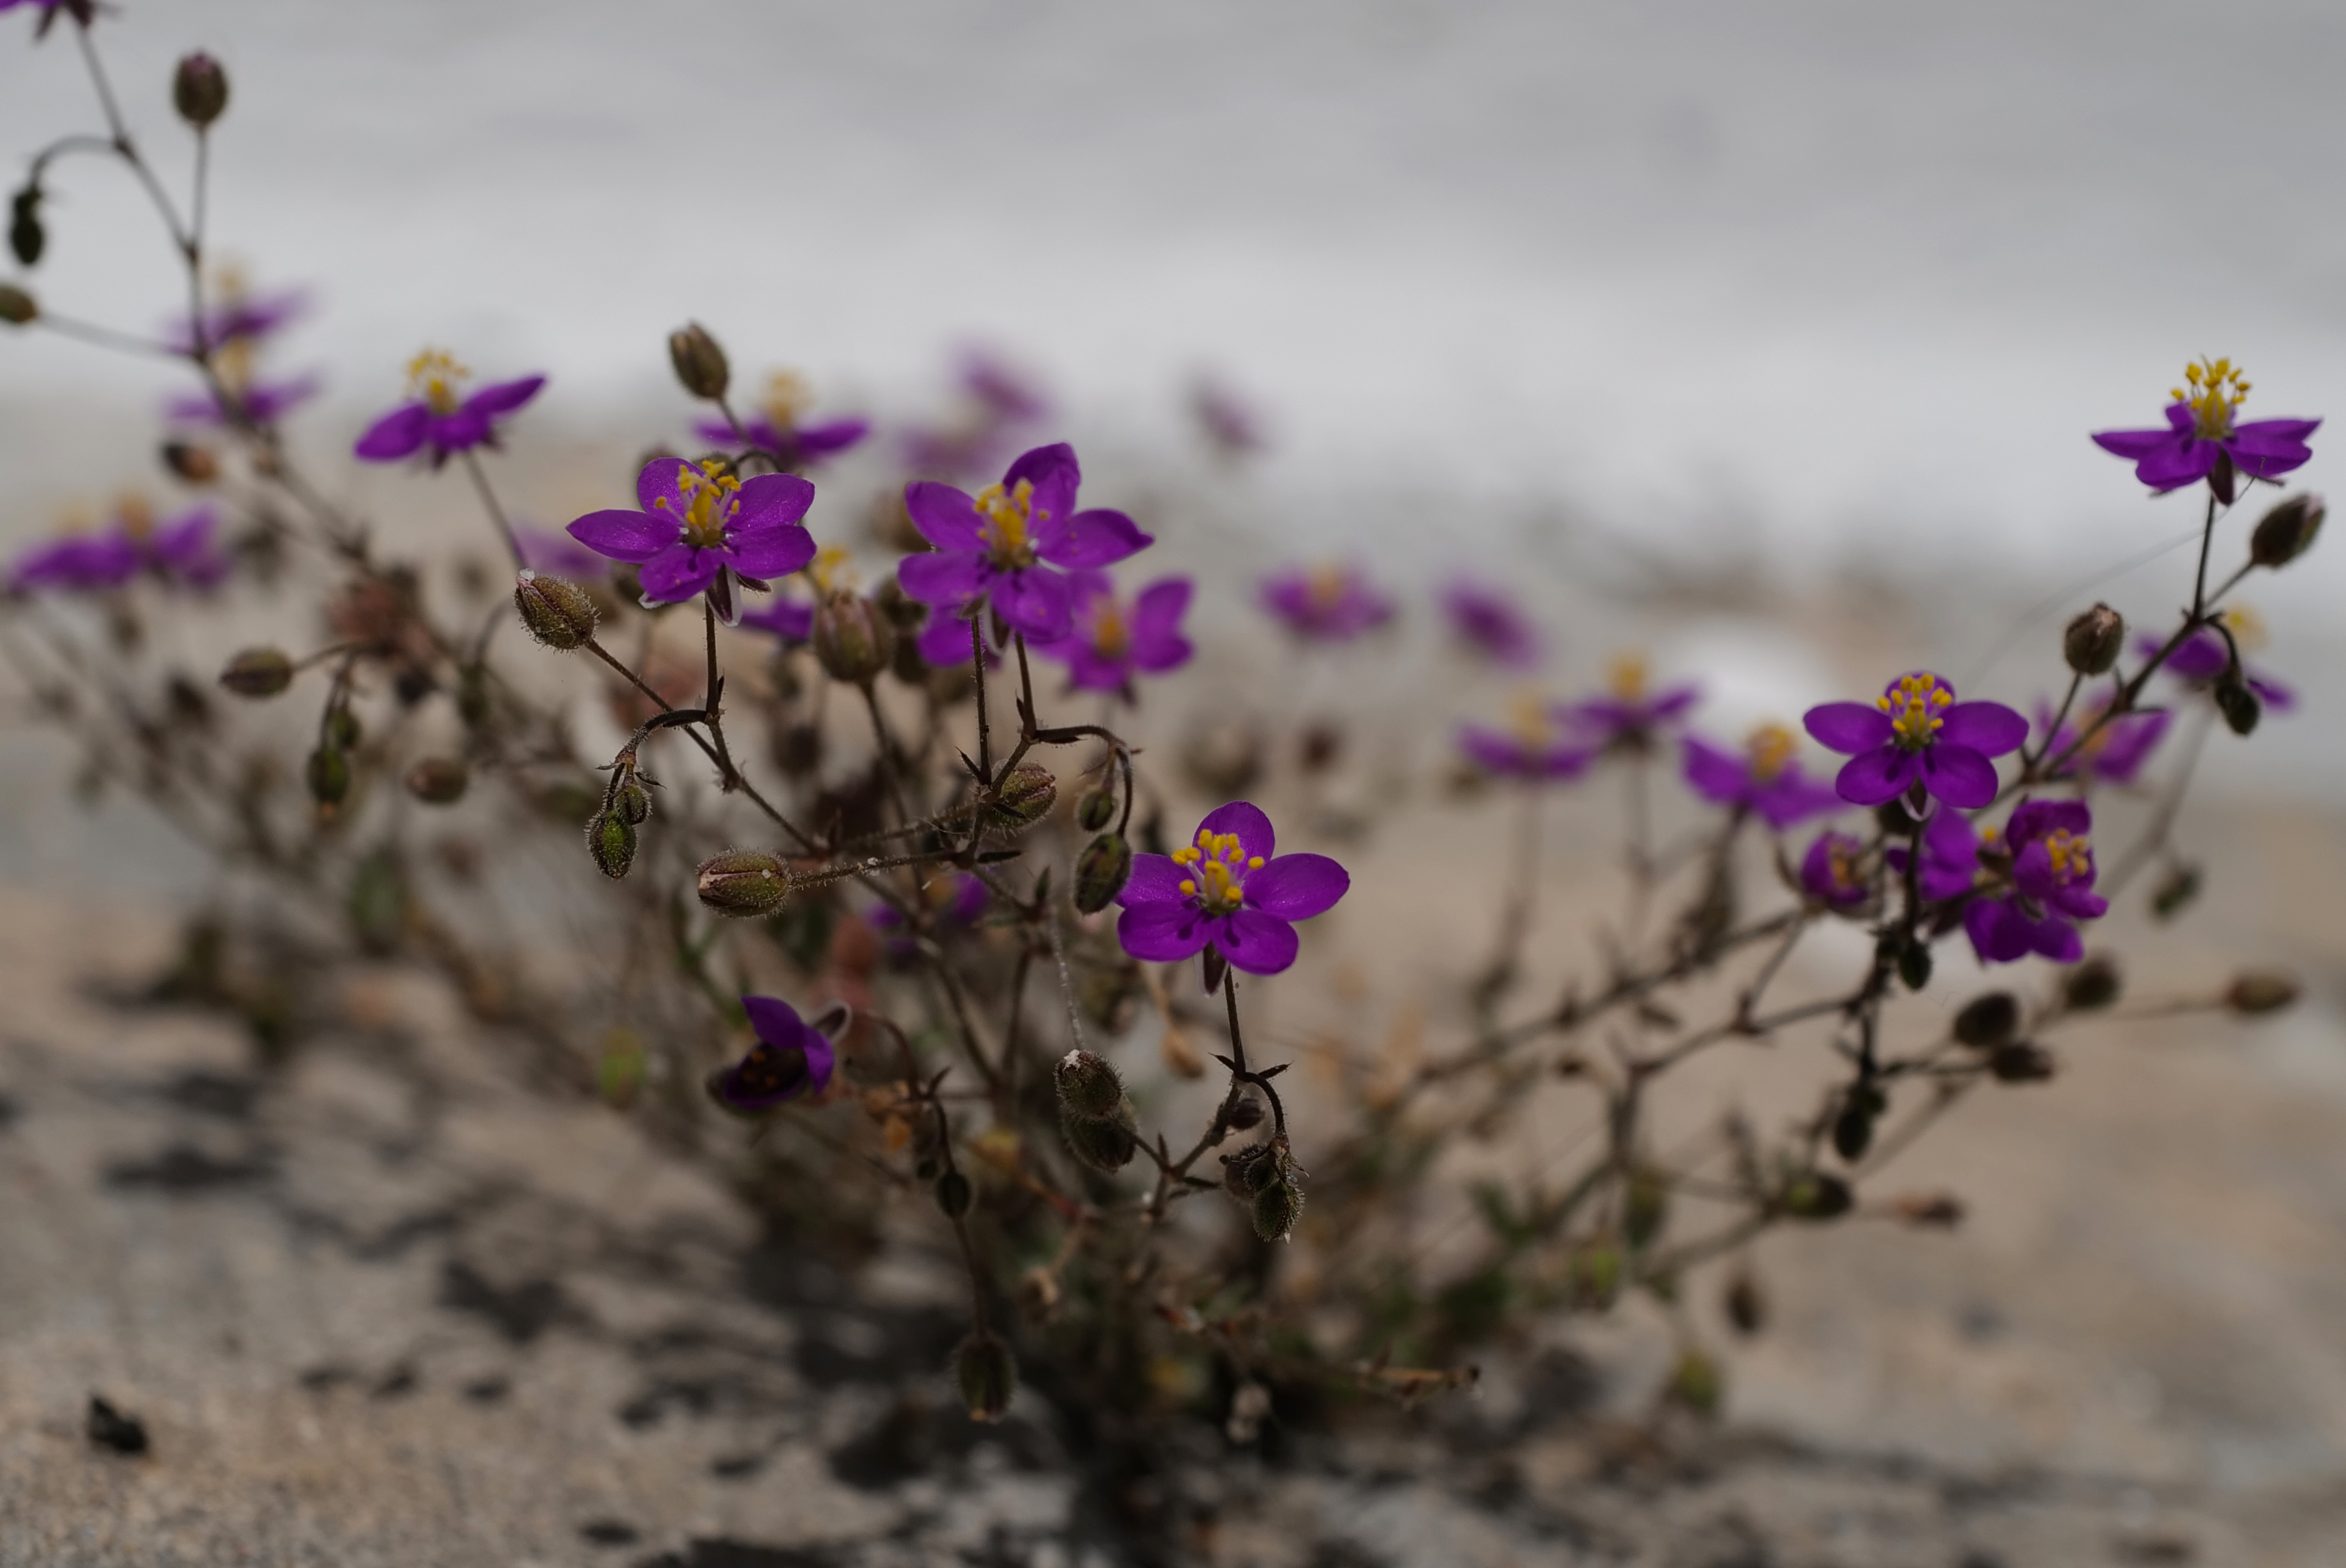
column 1817, row 1196
column 953, row 1194
column 257, row 672
column 1249, row 1171
column 699, row 363
column 743, row 883
column 1024, row 798
column 1988, row 1020
column 987, row 1376
column 1106, row 1144
column 1914, row 965
column 1275, row 1208
column 1101, row 871
column 330, row 775
column 2241, row 707
column 1247, row 1114
column 558, row 614
column 26, row 238
column 2093, row 640
column 438, row 780
column 1853, row 1132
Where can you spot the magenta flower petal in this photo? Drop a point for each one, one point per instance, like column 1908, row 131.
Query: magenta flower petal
column 659, row 492
column 503, row 397
column 1297, row 887
column 946, row 517
column 1099, row 538
column 2134, row 444
column 792, row 620
column 1157, row 609
column 1245, row 818
column 395, row 436
column 624, row 535
column 772, row 552
column 1989, row 729
column 679, row 572
column 1849, row 727
column 2173, row 467
column 770, row 501
column 1035, row 601
column 1257, row 942
column 951, row 578
column 1162, row 932
column 1958, row 775
column 1155, row 878
column 944, row 641
column 1876, row 776
column 1715, row 774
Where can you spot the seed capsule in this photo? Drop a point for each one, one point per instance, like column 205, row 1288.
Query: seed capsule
column 199, row 89
column 1989, row 1020
column 700, row 362
column 438, row 780
column 1818, row 1195
column 2238, row 704
column 1089, row 1086
column 2287, row 530
column 2256, row 990
column 611, row 839
column 1276, row 1209
column 953, row 1194
column 2093, row 640
column 330, row 775
column 1096, row 810
column 633, row 802
column 743, row 883
column 852, row 641
column 558, row 613
column 257, row 672
column 2093, row 985
column 987, row 1376
column 1106, row 1144
column 1026, row 798
column 1101, row 871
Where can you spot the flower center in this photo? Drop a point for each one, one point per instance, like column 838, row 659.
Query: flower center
column 830, row 571
column 1327, row 588
column 770, row 1070
column 1010, row 519
column 2073, row 855
column 1110, row 636
column 1914, row 705
column 1840, row 860
column 1771, row 747
column 433, row 378
column 1218, row 866
column 787, row 396
column 1532, row 723
column 1625, row 676
column 708, row 493
column 2215, row 391
column 2248, row 627
column 136, row 515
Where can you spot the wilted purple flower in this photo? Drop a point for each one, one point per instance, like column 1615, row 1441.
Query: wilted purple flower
column 1227, row 890
column 1490, row 623
column 1631, row 714
column 2205, row 655
column 262, row 402
column 700, row 528
column 1112, row 641
column 779, row 426
column 1000, row 546
column 557, row 553
column 2202, row 441
column 1533, row 747
column 2113, row 752
column 435, row 419
column 791, row 1059
column 1765, row 781
column 1328, row 603
column 1917, row 730
column 1950, row 860
column 2052, row 871
column 181, row 552
column 1833, row 871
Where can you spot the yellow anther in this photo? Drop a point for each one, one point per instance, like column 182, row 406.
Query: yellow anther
column 1626, row 675
column 708, row 493
column 433, row 376
column 1254, row 862
column 2216, row 389
column 1771, row 747
column 1910, row 705
column 830, row 570
column 2071, row 854
column 1187, row 886
column 788, row 395
column 1110, row 636
column 2247, row 627
column 1010, row 518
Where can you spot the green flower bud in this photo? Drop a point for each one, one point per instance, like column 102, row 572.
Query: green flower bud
column 1089, row 1086
column 1817, row 1196
column 1101, row 871
column 700, row 362
column 1644, row 1207
column 986, row 1375
column 743, row 883
column 2256, row 990
column 343, row 729
column 558, row 613
column 2022, row 1062
column 2176, row 890
column 1096, row 810
column 1106, row 1144
column 633, row 802
column 16, row 307
column 257, row 672
column 1696, row 1384
column 1025, row 798
column 26, row 238
column 2092, row 984
column 611, row 839
column 2093, row 640
column 2238, row 703
column 330, row 775
column 1275, row 1208
column 199, row 89
column 1853, row 1132
column 2287, row 532
column 1914, row 965
column 852, row 641
column 953, row 1194
column 438, row 780
column 1249, row 1171
column 1990, row 1020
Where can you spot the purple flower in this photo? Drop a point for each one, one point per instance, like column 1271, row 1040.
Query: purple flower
column 2052, row 871
column 1112, row 641
column 1533, row 748
column 700, row 528
column 2113, row 752
column 955, row 899
column 1631, row 714
column 1950, row 860
column 556, row 555
column 1765, row 779
column 181, row 552
column 1226, row 890
column 262, row 403
column 81, row 11
column 2205, row 655
column 777, row 426
column 237, row 317
column 1832, row 872
column 1326, row 604
column 1000, row 546
column 792, row 1058
column 999, row 399
column 2202, row 441
column 1917, row 730
column 1489, row 621
column 77, row 563
column 435, row 419
column 1226, row 419
column 792, row 620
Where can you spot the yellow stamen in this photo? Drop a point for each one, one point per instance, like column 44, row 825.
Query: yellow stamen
column 1626, row 675
column 2248, row 627
column 433, row 377
column 788, row 395
column 1772, row 746
column 1110, row 636
column 1912, row 706
column 2215, row 389
column 2072, row 854
column 831, row 571
column 1220, row 858
column 708, row 493
column 1010, row 518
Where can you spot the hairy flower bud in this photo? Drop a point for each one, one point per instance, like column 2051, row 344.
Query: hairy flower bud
column 16, row 307
column 1101, row 871
column 1107, row 1144
column 199, row 89
column 1249, row 1171
column 2092, row 984
column 953, row 1194
column 438, row 780
column 852, row 641
column 2238, row 704
column 330, row 775
column 2256, row 990
column 2022, row 1062
column 1026, row 798
column 986, row 1375
column 2093, row 640
column 743, row 883
column 1275, row 1208
column 26, row 238
column 1246, row 1115
column 257, row 672
column 611, row 839
column 1988, row 1021
column 1096, row 810
column 1817, row 1195
column 2287, row 532
column 196, row 465
column 1089, row 1086
column 558, row 613
column 700, row 362
column 633, row 802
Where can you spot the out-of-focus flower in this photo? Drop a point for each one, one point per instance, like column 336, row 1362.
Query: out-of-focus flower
column 1917, row 730
column 435, row 419
column 182, row 552
column 1000, row 546
column 1832, row 872
column 1490, row 623
column 237, row 314
column 262, row 402
column 997, row 400
column 557, row 553
column 791, row 1059
column 1766, row 780
column 1112, row 640
column 1950, row 866
column 700, row 529
column 779, row 425
column 83, row 12
column 2113, row 753
column 1228, row 889
column 2205, row 655
column 957, row 899
column 1229, row 423
column 2051, row 862
column 1533, row 747
column 1328, row 603
column 2203, row 439
column 1631, row 713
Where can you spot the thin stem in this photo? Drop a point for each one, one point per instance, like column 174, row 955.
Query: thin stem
column 104, row 337
column 985, row 730
column 489, row 500
column 2154, row 835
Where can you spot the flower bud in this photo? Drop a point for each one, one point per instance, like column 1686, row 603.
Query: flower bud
column 1096, row 810
column 199, row 89
column 2176, row 891
column 557, row 613
column 633, row 803
column 1246, row 1115
column 1914, row 965
column 2022, row 1062
column 342, row 728
column 1696, row 1385
column 953, row 1194
column 1747, row 1304
column 611, row 839
column 1249, row 1171
column 438, row 780
column 1101, row 871
column 2238, row 703
column 700, row 362
column 330, row 775
column 1107, row 1144
column 2093, row 640
column 2256, row 990
column 257, row 672
column 2092, row 984
column 16, row 307
column 1275, row 1208
column 986, row 1375
column 743, row 883
column 26, row 238
column 1988, row 1021
column 1818, row 1195
column 852, row 641
column 1853, row 1131
column 1026, row 798
column 1089, row 1086
column 194, row 463
column 2287, row 530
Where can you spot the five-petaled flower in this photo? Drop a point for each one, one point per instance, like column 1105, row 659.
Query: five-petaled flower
column 1491, row 624
column 700, row 529
column 2204, row 441
column 1111, row 640
column 2034, row 881
column 1331, row 602
column 181, row 552
column 1628, row 717
column 1765, row 781
column 792, row 1058
column 2204, row 656
column 1533, row 747
column 1229, row 890
column 1833, row 874
column 999, row 548
column 1917, row 732
column 2111, row 751
column 777, row 425
column 435, row 419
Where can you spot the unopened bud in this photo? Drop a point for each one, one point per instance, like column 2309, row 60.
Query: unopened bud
column 1914, row 965
column 953, row 1194
column 852, row 641
column 2022, row 1062
column 1096, row 810
column 1696, row 1384
column 1249, row 1171
column 611, row 839
column 26, row 238
column 1107, row 1144
column 16, row 307
column 1089, row 1086
column 1818, row 1195
column 2093, row 985
column 2093, row 640
column 330, row 775
column 633, row 803
column 2176, row 891
column 1247, row 1114
column 1026, row 796
column 700, row 362
column 257, row 672
column 438, row 779
column 2255, row 990
column 199, row 89
column 1853, row 1131
column 1747, row 1303
column 2287, row 530
column 1989, row 1020
column 1101, row 871
column 743, row 883
column 194, row 463
column 2238, row 703
column 558, row 613
column 1276, row 1209
column 986, row 1375
column 342, row 728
